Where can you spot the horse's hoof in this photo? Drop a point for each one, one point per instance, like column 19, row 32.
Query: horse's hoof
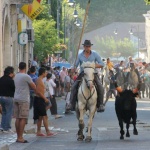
column 135, row 132
column 88, row 139
column 80, row 137
column 121, row 138
column 127, row 135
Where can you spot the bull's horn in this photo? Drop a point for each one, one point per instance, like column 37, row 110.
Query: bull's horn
column 135, row 90
column 119, row 89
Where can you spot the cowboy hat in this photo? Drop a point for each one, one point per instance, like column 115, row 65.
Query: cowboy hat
column 87, row 43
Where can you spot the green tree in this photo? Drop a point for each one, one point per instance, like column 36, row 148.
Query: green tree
column 45, row 13
column 126, row 48
column 71, row 32
column 45, row 37
column 103, row 12
column 109, row 47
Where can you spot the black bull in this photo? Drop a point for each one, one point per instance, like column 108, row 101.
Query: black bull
column 125, row 106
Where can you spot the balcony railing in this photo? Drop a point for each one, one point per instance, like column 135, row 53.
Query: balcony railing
column 20, row 1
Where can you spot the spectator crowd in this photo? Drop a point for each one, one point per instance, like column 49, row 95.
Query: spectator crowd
column 34, row 88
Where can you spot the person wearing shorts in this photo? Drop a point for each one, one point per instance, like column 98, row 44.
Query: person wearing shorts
column 23, row 83
column 40, row 105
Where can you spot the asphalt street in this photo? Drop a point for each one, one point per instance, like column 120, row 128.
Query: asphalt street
column 105, row 132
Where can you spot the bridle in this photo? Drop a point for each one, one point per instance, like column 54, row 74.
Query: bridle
column 86, row 81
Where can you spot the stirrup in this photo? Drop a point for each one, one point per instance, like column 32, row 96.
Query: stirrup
column 101, row 108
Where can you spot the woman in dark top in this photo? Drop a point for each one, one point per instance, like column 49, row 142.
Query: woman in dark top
column 7, row 89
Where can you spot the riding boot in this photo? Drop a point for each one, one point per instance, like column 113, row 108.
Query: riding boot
column 138, row 75
column 74, row 91
column 100, row 93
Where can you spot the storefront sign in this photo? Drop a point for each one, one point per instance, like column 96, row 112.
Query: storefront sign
column 32, row 10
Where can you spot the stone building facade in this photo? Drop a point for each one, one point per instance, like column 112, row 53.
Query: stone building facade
column 11, row 53
column 147, row 34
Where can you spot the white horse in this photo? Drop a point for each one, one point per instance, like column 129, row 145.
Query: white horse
column 132, row 78
column 87, row 100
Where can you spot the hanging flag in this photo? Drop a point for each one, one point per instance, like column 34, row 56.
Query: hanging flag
column 32, row 10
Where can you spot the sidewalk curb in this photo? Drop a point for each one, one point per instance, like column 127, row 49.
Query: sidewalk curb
column 4, row 147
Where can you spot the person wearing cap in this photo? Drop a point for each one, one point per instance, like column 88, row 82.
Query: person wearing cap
column 88, row 55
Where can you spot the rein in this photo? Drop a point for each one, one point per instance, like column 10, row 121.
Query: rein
column 89, row 96
column 86, row 81
column 89, row 90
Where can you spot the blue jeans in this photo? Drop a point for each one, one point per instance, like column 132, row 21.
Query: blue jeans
column 7, row 110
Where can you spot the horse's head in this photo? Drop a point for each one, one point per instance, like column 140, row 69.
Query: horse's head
column 89, row 70
column 132, row 66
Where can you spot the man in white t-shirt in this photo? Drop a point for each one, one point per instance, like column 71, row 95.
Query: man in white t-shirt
column 52, row 86
column 23, row 83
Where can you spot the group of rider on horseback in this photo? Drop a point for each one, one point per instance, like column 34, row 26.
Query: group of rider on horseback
column 88, row 55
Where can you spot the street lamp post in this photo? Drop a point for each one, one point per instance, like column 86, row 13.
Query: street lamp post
column 116, row 33
column 131, row 32
column 75, row 14
column 58, row 19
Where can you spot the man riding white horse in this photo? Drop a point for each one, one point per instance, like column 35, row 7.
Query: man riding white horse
column 88, row 55
column 132, row 63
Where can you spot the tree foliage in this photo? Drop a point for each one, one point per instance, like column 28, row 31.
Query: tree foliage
column 103, row 12
column 46, row 12
column 109, row 47
column 45, row 37
column 45, row 33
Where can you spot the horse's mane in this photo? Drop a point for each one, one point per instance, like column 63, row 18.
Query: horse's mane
column 88, row 64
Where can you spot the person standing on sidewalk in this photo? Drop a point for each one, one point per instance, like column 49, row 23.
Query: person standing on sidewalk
column 7, row 89
column 62, row 74
column 23, row 83
column 40, row 102
column 52, row 85
column 68, row 82
column 34, row 77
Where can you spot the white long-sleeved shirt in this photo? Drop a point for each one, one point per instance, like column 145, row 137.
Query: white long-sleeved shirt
column 51, row 85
